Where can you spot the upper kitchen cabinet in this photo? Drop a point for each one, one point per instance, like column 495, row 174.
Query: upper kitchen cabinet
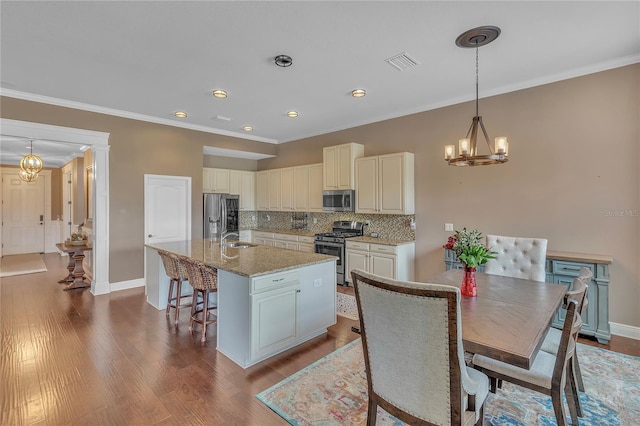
column 262, row 190
column 315, row 187
column 215, row 180
column 338, row 165
column 384, row 184
column 243, row 183
column 286, row 189
column 307, row 188
column 275, row 189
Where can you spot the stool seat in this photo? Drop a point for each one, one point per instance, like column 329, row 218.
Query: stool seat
column 204, row 280
column 177, row 275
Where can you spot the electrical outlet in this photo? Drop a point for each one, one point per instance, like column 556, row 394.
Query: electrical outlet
column 367, row 222
column 253, row 217
column 448, row 227
column 315, row 220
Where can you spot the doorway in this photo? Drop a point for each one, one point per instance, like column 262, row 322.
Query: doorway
column 98, row 143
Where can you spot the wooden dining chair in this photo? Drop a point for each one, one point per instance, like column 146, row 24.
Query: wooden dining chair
column 517, row 257
column 414, row 359
column 204, row 280
column 177, row 275
column 550, row 374
column 551, row 342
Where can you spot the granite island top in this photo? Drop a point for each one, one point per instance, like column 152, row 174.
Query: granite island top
column 249, row 262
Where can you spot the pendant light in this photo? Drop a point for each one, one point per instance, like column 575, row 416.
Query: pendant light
column 27, row 176
column 467, row 147
column 31, row 163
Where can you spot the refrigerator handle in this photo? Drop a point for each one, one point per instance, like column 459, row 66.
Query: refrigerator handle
column 223, row 216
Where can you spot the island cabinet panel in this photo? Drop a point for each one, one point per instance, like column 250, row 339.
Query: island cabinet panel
column 562, row 268
column 262, row 316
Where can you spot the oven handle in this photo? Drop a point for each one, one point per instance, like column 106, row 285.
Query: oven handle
column 327, row 244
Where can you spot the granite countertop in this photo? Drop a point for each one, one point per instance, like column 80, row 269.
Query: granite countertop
column 301, row 232
column 383, row 241
column 249, row 262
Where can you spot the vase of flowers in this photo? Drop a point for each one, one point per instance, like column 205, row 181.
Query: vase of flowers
column 470, row 250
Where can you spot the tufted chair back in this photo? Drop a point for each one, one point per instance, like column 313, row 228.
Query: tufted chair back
column 412, row 344
column 517, row 257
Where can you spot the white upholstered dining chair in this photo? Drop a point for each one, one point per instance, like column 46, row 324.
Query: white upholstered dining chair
column 517, row 257
column 414, row 359
column 551, row 342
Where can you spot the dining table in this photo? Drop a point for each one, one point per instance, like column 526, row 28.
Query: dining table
column 509, row 318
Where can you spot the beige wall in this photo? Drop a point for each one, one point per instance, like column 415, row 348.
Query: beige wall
column 574, row 163
column 230, row 163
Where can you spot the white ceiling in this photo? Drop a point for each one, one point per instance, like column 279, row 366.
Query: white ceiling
column 147, row 60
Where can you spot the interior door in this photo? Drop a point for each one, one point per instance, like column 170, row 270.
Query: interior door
column 167, row 208
column 22, row 215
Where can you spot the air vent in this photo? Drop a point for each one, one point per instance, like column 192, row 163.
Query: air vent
column 402, row 61
column 220, row 117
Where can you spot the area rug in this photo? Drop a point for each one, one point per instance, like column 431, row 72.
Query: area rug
column 20, row 264
column 346, row 306
column 333, row 391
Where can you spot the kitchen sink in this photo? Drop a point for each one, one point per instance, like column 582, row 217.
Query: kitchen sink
column 239, row 244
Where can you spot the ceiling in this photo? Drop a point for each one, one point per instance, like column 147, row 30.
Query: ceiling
column 147, row 60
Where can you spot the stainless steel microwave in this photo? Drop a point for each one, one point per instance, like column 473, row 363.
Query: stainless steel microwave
column 339, row 201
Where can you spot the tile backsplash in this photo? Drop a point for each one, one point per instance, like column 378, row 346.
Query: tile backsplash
column 393, row 227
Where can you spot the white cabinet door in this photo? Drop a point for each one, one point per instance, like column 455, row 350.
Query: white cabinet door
column 383, row 265
column 286, row 244
column 356, row 260
column 306, row 247
column 395, row 181
column 330, row 161
column 220, row 181
column 301, row 188
column 367, row 184
column 345, row 167
column 235, row 182
column 275, row 190
column 338, row 165
column 286, row 189
column 315, row 187
column 207, row 179
column 262, row 190
column 248, row 191
column 274, row 320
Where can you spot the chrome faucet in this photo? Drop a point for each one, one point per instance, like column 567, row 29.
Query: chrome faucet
column 227, row 234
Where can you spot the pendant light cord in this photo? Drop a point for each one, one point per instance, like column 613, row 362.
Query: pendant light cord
column 477, row 109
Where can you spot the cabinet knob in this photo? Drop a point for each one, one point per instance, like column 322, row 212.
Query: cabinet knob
column 150, row 235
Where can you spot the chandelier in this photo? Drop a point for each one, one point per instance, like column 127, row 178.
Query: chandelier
column 467, row 147
column 30, row 166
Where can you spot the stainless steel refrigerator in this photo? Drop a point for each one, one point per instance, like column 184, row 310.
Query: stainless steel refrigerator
column 220, row 214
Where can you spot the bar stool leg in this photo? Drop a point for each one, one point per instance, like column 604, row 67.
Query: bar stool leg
column 205, row 314
column 178, row 299
column 194, row 303
column 170, row 298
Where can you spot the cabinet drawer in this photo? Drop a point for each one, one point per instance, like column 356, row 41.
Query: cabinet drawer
column 265, row 235
column 569, row 268
column 303, row 239
column 357, row 245
column 285, row 237
column 274, row 281
column 381, row 248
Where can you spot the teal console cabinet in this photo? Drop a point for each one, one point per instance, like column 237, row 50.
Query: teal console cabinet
column 562, row 268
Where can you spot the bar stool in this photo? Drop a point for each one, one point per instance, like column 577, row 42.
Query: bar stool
column 177, row 274
column 204, row 281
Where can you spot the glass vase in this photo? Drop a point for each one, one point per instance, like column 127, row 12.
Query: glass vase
column 468, row 287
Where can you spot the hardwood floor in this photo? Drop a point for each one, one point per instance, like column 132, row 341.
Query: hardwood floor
column 68, row 357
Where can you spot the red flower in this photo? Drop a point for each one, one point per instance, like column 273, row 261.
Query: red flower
column 450, row 242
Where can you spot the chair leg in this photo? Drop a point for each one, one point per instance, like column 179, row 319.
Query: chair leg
column 571, row 401
column 480, row 421
column 372, row 412
column 493, row 384
column 178, row 298
column 170, row 297
column 194, row 303
column 205, row 313
column 572, row 384
column 558, row 407
column 576, row 367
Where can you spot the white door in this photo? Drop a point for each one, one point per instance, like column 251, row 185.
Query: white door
column 67, row 202
column 22, row 215
column 167, row 208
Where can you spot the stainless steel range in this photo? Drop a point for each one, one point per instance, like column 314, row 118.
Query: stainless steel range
column 333, row 243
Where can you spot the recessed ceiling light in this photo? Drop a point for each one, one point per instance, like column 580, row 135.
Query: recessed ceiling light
column 358, row 93
column 292, row 114
column 219, row 93
column 283, row 61
column 181, row 114
column 247, row 128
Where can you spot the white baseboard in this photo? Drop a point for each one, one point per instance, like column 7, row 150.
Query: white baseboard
column 125, row 285
column 625, row 330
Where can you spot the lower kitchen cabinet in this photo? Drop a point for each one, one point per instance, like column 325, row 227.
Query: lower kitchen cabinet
column 287, row 241
column 390, row 261
column 562, row 268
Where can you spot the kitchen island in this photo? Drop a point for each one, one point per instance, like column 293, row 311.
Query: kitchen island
column 269, row 299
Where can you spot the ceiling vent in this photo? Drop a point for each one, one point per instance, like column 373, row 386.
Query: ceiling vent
column 223, row 118
column 402, row 61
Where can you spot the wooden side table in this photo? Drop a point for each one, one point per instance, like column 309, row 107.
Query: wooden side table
column 76, row 277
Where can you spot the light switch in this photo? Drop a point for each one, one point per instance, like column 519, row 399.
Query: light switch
column 448, row 227
column 317, row 282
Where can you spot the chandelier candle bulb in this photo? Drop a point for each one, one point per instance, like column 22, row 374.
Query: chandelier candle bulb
column 502, row 146
column 464, row 146
column 449, row 152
